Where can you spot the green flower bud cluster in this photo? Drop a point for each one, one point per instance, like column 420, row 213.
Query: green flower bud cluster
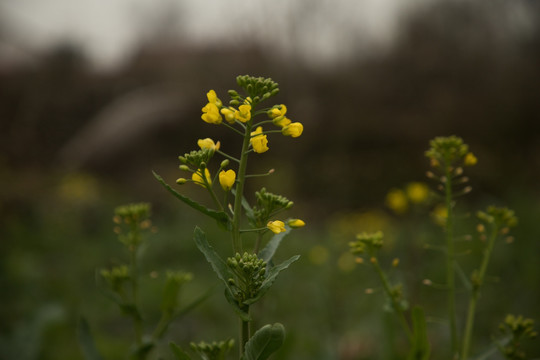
column 179, row 277
column 250, row 273
column 116, row 277
column 500, row 217
column 268, row 205
column 197, row 158
column 397, row 298
column 367, row 242
column 135, row 217
column 519, row 328
column 257, row 88
column 132, row 213
column 447, row 150
column 213, row 351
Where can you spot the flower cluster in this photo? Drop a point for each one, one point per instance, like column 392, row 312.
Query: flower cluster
column 249, row 272
column 415, row 193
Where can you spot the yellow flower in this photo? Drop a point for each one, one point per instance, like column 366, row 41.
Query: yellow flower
column 243, row 113
column 213, row 99
column 470, row 159
column 440, row 214
column 229, row 114
column 259, row 142
column 397, row 201
column 417, row 192
column 211, row 114
column 208, row 144
column 227, row 179
column 276, row 226
column 296, row 223
column 277, row 111
column 293, row 130
column 281, row 121
column 197, row 177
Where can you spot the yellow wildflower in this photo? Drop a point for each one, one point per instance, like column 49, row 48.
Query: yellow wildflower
column 293, row 130
column 296, row 223
column 397, row 201
column 281, row 121
column 259, row 142
column 197, row 177
column 227, row 179
column 417, row 192
column 440, row 214
column 277, row 111
column 276, row 226
column 211, row 114
column 470, row 159
column 229, row 114
column 243, row 113
column 213, row 99
column 208, row 144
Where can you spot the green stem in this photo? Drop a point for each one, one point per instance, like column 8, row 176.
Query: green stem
column 245, row 333
column 134, row 293
column 258, row 241
column 450, row 259
column 467, row 339
column 395, row 303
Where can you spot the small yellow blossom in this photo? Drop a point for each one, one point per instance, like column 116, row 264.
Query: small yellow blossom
column 293, row 130
column 440, row 214
column 276, row 226
column 213, row 99
column 417, row 192
column 197, row 178
column 281, row 121
column 227, row 179
column 296, row 223
column 229, row 114
column 211, row 114
column 470, row 159
column 397, row 201
column 243, row 113
column 395, row 262
column 277, row 111
column 208, row 144
column 259, row 142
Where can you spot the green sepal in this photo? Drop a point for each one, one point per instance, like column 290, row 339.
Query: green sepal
column 178, row 352
column 218, row 264
column 421, row 348
column 86, row 341
column 220, row 216
column 267, row 253
column 242, row 314
column 270, row 278
column 264, row 342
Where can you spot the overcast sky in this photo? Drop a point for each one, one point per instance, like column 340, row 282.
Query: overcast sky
column 108, row 29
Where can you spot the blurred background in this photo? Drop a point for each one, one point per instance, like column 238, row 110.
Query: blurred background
column 95, row 94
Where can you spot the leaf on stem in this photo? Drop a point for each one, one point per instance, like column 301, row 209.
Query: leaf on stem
column 86, row 341
column 267, row 253
column 217, row 263
column 421, row 348
column 178, row 352
column 265, row 342
column 220, row 216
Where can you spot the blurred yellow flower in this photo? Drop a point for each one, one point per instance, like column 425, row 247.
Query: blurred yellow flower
column 293, row 130
column 296, row 223
column 281, row 121
column 197, row 177
column 417, row 192
column 259, row 142
column 227, row 179
column 211, row 114
column 276, row 226
column 229, row 114
column 243, row 113
column 213, row 99
column 440, row 214
column 208, row 144
column 397, row 201
column 318, row 255
column 470, row 159
column 277, row 111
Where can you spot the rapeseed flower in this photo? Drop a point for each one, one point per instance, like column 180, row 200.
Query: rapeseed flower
column 243, row 113
column 211, row 114
column 470, row 159
column 227, row 179
column 417, row 192
column 213, row 99
column 229, row 114
column 259, row 142
column 208, row 144
column 277, row 111
column 281, row 121
column 276, row 226
column 293, row 130
column 397, row 201
column 197, row 177
column 296, row 223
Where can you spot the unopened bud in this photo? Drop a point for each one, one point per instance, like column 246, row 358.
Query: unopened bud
column 183, row 167
column 182, row 159
column 225, row 163
column 181, row 181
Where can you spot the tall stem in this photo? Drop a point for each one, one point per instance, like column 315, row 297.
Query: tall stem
column 134, row 293
column 237, row 243
column 467, row 339
column 450, row 259
column 245, row 333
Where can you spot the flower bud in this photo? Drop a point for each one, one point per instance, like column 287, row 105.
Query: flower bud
column 225, row 163
column 296, row 223
column 181, row 181
column 184, row 167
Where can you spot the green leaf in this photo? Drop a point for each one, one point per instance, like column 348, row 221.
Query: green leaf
column 271, row 277
column 464, row 279
column 217, row 263
column 243, row 314
column 220, row 216
column 494, row 347
column 86, row 341
column 178, row 352
column 267, row 253
column 421, row 348
column 264, row 342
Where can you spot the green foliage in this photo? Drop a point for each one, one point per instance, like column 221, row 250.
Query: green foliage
column 420, row 349
column 264, row 342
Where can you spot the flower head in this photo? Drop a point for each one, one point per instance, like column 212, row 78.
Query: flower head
column 470, row 159
column 277, row 111
column 281, row 121
column 259, row 142
column 208, row 144
column 276, row 226
column 397, row 201
column 243, row 113
column 229, row 114
column 293, row 130
column 227, row 179
column 417, row 192
column 213, row 99
column 211, row 114
column 197, row 177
